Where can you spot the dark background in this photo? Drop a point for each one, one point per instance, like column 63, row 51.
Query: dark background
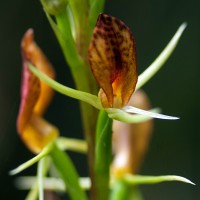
column 175, row 144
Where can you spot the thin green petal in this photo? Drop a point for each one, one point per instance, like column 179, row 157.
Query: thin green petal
column 133, row 110
column 123, row 116
column 161, row 59
column 32, row 161
column 76, row 94
column 138, row 179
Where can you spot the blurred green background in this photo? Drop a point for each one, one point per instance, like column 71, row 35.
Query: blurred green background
column 174, row 146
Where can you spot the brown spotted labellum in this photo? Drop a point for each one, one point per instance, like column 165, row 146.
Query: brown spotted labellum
column 112, row 58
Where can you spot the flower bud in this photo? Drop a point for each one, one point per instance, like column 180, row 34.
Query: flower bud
column 130, row 141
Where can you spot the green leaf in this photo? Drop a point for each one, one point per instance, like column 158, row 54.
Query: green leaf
column 68, row 173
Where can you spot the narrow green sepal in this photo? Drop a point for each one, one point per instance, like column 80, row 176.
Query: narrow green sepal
column 161, row 59
column 121, row 115
column 32, row 161
column 138, row 179
column 76, row 94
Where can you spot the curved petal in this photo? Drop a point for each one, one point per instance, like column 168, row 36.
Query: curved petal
column 33, row 54
column 38, row 133
column 30, row 91
column 35, row 97
column 112, row 58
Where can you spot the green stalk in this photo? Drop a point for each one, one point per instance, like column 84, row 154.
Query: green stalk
column 103, row 153
column 68, row 173
column 80, row 9
column 75, row 51
column 33, row 193
column 84, row 81
column 96, row 7
column 122, row 191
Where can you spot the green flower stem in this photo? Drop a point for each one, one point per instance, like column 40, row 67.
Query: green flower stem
column 77, row 66
column 103, row 152
column 75, row 53
column 64, row 35
column 84, row 80
column 68, row 173
column 80, row 9
column 40, row 179
column 96, row 7
column 122, row 191
column 161, row 59
column 89, row 116
column 33, row 193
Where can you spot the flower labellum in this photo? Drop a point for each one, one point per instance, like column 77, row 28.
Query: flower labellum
column 112, row 58
column 35, row 132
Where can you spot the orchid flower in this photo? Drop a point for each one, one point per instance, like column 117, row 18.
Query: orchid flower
column 112, row 61
column 112, row 58
column 35, row 131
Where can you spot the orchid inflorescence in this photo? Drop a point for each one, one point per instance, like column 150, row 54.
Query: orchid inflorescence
column 124, row 110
